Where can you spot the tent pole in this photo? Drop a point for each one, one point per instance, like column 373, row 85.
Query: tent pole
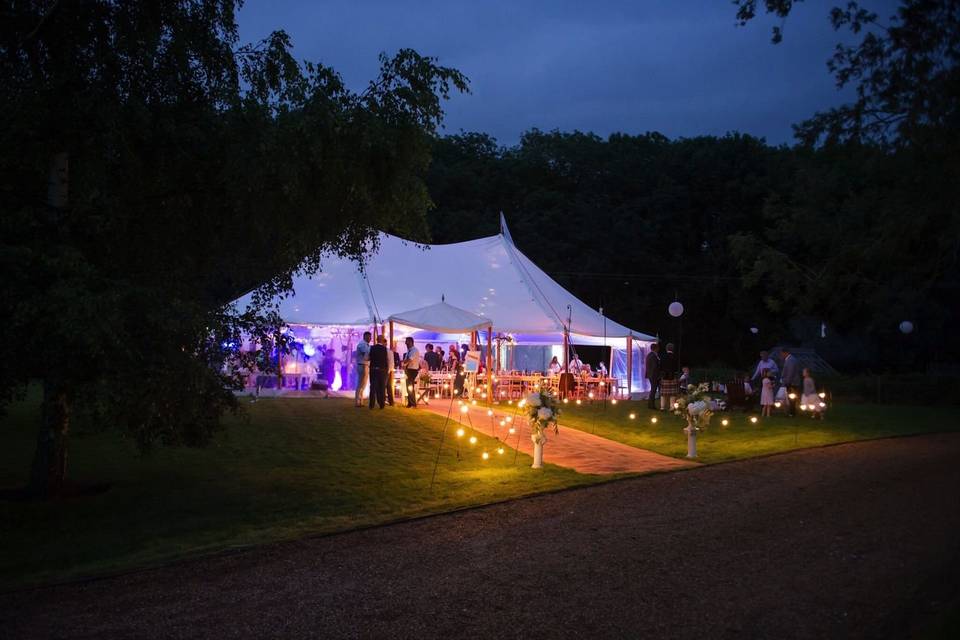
column 391, row 336
column 490, row 362
column 629, row 367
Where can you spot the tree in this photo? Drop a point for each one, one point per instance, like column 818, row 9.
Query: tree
column 185, row 169
column 905, row 72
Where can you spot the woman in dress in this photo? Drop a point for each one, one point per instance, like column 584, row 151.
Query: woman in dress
column 766, row 394
column 809, row 397
column 554, row 368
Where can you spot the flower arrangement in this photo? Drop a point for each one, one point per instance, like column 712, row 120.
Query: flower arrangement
column 543, row 410
column 695, row 406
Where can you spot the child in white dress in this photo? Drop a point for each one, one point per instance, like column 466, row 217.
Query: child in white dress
column 809, row 398
column 766, row 394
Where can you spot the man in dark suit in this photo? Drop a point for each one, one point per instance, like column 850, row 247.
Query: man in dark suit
column 651, row 369
column 378, row 372
column 790, row 378
column 432, row 358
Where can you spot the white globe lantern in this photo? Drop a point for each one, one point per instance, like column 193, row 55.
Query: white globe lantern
column 675, row 309
column 906, row 327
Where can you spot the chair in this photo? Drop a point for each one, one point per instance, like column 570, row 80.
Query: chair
column 736, row 396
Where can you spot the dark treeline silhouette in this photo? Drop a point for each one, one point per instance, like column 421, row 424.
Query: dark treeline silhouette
column 851, row 239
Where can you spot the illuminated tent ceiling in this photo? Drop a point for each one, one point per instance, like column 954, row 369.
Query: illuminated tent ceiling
column 488, row 276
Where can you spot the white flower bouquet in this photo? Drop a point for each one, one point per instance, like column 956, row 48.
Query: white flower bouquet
column 543, row 410
column 695, row 407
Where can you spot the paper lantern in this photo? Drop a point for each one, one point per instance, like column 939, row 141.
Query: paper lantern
column 675, row 309
column 906, row 327
column 754, row 330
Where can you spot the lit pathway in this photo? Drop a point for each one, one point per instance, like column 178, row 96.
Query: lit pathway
column 578, row 450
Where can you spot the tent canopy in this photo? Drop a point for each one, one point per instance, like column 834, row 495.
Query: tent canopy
column 488, row 277
column 442, row 318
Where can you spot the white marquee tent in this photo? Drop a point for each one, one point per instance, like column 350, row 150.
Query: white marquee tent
column 488, row 276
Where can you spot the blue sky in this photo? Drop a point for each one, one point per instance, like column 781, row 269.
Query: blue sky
column 679, row 67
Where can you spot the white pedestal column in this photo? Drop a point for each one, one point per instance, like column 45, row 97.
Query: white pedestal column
column 537, row 455
column 691, row 440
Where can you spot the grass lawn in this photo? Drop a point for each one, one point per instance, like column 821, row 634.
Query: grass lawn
column 296, row 467
column 742, row 439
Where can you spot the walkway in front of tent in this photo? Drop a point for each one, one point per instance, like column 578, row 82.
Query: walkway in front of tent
column 578, row 450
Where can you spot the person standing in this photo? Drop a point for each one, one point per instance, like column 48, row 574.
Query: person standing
column 575, row 365
column 669, row 386
column 791, row 380
column 651, row 368
column 411, row 367
column 363, row 358
column 766, row 393
column 766, row 363
column 392, row 362
column 432, row 358
column 378, row 362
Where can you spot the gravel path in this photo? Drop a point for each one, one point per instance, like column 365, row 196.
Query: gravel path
column 578, row 450
column 848, row 541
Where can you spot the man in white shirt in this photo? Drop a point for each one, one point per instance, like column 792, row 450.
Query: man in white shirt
column 411, row 367
column 363, row 360
column 766, row 364
column 576, row 365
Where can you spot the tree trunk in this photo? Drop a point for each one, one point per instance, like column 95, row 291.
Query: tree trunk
column 50, row 458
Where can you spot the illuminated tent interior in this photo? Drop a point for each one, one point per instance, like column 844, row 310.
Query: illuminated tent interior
column 488, row 277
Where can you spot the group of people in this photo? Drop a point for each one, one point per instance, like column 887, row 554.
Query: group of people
column 664, row 374
column 799, row 387
column 376, row 363
column 577, row 367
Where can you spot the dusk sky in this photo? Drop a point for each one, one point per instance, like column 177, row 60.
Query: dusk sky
column 680, row 67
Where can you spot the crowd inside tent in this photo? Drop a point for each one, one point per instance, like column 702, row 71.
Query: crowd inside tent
column 483, row 307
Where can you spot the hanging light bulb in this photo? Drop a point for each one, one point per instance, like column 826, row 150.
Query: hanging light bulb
column 485, row 455
column 473, row 439
column 489, row 413
column 460, row 433
column 464, row 409
column 500, row 450
column 511, row 430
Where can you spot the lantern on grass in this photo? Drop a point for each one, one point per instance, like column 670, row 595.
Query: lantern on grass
column 906, row 327
column 675, row 309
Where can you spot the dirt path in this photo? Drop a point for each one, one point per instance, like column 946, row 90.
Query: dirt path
column 578, row 450
column 849, row 541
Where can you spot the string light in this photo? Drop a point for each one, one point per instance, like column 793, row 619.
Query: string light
column 489, row 413
column 590, row 395
column 509, row 418
column 473, row 439
column 511, row 430
column 509, row 401
column 460, row 433
column 464, row 409
column 522, row 403
column 500, row 450
column 485, row 455
column 473, row 402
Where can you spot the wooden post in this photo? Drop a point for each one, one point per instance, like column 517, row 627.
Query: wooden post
column 629, row 366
